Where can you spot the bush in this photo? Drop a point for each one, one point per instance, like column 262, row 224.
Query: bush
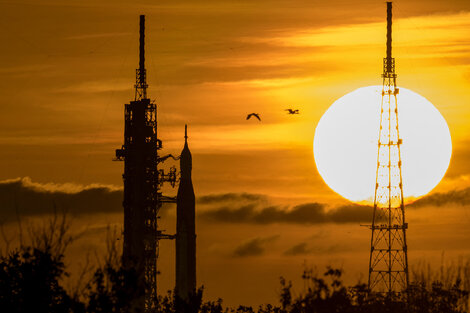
column 31, row 275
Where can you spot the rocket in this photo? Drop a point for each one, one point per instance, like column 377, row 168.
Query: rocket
column 185, row 228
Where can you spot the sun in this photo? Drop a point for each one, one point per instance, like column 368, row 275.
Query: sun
column 345, row 144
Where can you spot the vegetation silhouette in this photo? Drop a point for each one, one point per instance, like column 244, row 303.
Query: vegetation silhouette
column 31, row 275
column 31, row 279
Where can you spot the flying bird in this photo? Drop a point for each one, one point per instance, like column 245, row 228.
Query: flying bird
column 253, row 114
column 291, row 111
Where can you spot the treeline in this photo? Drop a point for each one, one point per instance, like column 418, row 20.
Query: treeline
column 31, row 278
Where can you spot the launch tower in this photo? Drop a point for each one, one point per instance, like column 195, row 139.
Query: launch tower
column 388, row 263
column 142, row 183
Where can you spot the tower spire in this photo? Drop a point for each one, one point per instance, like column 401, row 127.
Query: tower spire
column 185, row 133
column 142, row 43
column 141, row 75
column 389, row 36
column 388, row 262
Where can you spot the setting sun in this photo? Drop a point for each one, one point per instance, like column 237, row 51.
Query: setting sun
column 345, row 144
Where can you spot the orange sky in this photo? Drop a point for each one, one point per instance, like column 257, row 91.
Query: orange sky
column 67, row 68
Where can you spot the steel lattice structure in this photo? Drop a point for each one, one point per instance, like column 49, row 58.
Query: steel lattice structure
column 142, row 183
column 388, row 264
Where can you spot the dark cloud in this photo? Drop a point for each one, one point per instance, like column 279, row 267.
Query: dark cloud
column 227, row 209
column 26, row 198
column 253, row 247
column 241, row 215
column 230, row 197
column 23, row 197
column 460, row 197
column 318, row 249
column 299, row 249
column 309, row 213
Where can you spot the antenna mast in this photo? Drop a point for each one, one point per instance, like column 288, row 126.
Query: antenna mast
column 388, row 263
column 389, row 40
column 141, row 74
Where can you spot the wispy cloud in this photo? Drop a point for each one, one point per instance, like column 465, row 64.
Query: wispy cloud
column 253, row 247
column 23, row 197
column 299, row 249
column 96, row 87
column 308, row 213
column 101, row 35
column 459, row 197
column 231, row 197
column 320, row 248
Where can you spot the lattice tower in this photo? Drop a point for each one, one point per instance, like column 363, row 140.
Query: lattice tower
column 388, row 264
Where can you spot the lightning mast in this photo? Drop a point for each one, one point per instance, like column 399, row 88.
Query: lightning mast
column 142, row 183
column 388, row 263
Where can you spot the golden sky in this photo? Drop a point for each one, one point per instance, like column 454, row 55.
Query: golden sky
column 67, row 68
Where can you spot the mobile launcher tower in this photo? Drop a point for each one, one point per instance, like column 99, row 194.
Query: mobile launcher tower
column 143, row 198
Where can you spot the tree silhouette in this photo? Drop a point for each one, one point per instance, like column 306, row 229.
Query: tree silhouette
column 30, row 275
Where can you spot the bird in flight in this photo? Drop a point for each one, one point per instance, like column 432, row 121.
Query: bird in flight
column 253, row 114
column 291, row 111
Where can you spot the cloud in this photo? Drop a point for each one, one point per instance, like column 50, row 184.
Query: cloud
column 299, row 249
column 317, row 249
column 460, row 197
column 101, row 35
column 230, row 197
column 27, row 198
column 308, row 213
column 95, row 87
column 253, row 247
column 256, row 209
column 23, row 197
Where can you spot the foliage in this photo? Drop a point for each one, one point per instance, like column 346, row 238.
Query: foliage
column 29, row 282
column 31, row 276
column 328, row 294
